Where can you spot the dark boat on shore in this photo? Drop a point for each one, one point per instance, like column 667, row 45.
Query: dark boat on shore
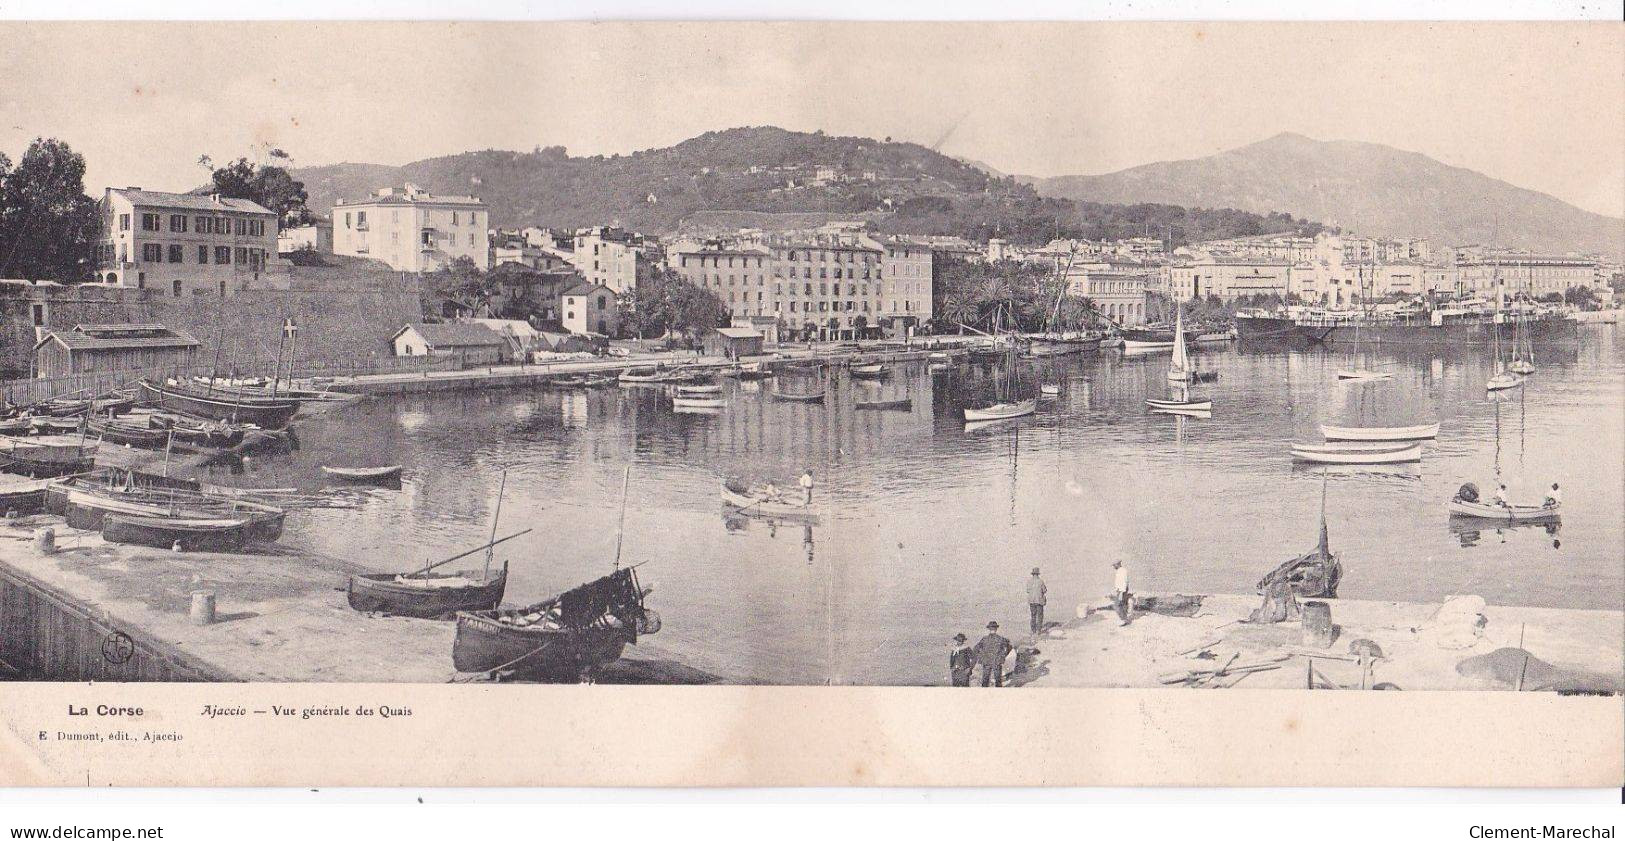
column 430, row 595
column 264, row 412
column 193, row 534
column 128, row 433
column 201, row 433
column 24, row 496
column 565, row 638
column 47, row 456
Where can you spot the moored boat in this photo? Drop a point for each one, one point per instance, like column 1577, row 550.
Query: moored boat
column 192, row 534
column 903, row 405
column 868, row 369
column 1356, row 453
column 1513, row 513
column 266, row 413
column 1418, row 432
column 22, row 495
column 1001, row 411
column 681, row 402
column 809, row 397
column 1204, row 404
column 365, row 475
column 746, row 500
column 565, row 638
column 696, row 390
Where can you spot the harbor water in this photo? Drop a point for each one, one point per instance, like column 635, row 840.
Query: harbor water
column 928, row 528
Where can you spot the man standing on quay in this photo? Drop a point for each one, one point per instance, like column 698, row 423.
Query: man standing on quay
column 1121, row 597
column 961, row 661
column 990, row 652
column 1037, row 592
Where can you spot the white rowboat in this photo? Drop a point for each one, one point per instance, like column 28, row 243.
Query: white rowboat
column 1322, row 454
column 1512, row 513
column 1419, row 432
column 1001, row 411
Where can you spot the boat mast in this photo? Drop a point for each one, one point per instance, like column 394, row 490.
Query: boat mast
column 490, row 548
column 620, row 528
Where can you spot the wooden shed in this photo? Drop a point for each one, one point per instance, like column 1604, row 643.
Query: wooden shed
column 114, row 347
column 732, row 342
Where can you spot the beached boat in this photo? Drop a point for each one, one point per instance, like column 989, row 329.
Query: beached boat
column 19, row 425
column 47, row 456
column 681, row 402
column 902, row 405
column 22, row 495
column 191, row 534
column 266, row 413
column 736, row 495
column 49, row 425
column 1187, row 404
column 1356, row 453
column 565, row 638
column 1419, row 432
column 1505, row 513
column 85, row 502
column 365, row 475
column 201, row 433
column 1313, row 575
column 128, row 433
column 430, row 595
column 811, row 397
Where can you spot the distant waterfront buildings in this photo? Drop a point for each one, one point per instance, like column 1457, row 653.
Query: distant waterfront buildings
column 184, row 242
column 411, row 230
column 589, row 308
column 317, row 237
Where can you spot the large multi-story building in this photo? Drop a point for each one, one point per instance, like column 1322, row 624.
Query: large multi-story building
column 740, row 274
column 412, row 230
column 1228, row 277
column 609, row 256
column 185, row 242
column 1534, row 275
column 1116, row 287
column 906, row 279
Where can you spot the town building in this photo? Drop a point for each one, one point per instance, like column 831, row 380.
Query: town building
column 185, row 243
column 589, row 308
column 317, row 237
column 608, row 256
column 470, row 344
column 1228, row 277
column 827, row 285
column 1532, row 275
column 766, row 325
column 411, row 230
column 114, row 347
column 1117, row 287
column 907, row 274
column 529, row 256
column 737, row 273
column 732, row 342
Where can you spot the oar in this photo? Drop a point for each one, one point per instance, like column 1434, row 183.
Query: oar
column 469, row 552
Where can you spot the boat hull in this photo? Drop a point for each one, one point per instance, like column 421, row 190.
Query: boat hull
column 1420, row 432
column 366, row 475
column 1325, row 454
column 746, row 504
column 1002, row 411
column 1180, row 405
column 1504, row 513
column 885, row 405
column 192, row 535
column 1545, row 330
column 381, row 593
column 799, row 398
column 484, row 644
column 266, row 414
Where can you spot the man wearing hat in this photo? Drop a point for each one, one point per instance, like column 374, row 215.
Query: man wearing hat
column 1122, row 599
column 1036, row 593
column 990, row 652
column 961, row 661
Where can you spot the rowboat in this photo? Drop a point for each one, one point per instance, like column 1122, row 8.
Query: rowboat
column 47, row 456
column 641, row 375
column 869, row 369
column 746, row 501
column 48, row 425
column 1202, row 405
column 1419, row 432
column 564, row 638
column 191, row 534
column 1521, row 367
column 128, row 433
column 704, row 388
column 814, row 397
column 16, row 426
column 365, row 475
column 1356, row 453
column 1002, row 411
column 1049, row 390
column 1202, row 414
column 1363, row 374
column 196, row 433
column 266, row 413
column 86, row 506
column 903, row 405
column 429, row 595
column 681, row 402
column 22, row 495
column 1506, row 513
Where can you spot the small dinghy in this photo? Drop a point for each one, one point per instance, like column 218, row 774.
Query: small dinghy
column 1049, row 390
column 681, row 402
column 814, row 397
column 1503, row 381
column 746, row 500
column 365, row 475
column 646, row 374
column 695, row 390
column 1188, row 405
column 1356, row 453
column 191, row 534
column 903, row 405
column 1505, row 513
column 869, row 369
column 1419, row 432
column 1001, row 411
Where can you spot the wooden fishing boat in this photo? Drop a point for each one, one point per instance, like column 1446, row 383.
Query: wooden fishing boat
column 85, row 502
column 1313, row 575
column 265, row 413
column 903, row 405
column 430, row 595
column 16, row 426
column 681, row 402
column 746, row 500
column 1355, row 453
column 48, row 425
column 869, row 369
column 365, row 475
column 128, row 433
column 643, row 374
column 1419, row 432
column 201, row 433
column 47, row 456
column 1505, row 513
column 1197, row 405
column 1363, row 374
column 813, row 397
column 191, row 534
column 703, row 388
column 24, row 496
column 1002, row 411
column 565, row 638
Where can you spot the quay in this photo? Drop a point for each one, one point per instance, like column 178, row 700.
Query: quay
column 96, row 611
column 1569, row 650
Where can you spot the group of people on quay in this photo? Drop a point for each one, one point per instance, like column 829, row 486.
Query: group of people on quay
column 992, row 650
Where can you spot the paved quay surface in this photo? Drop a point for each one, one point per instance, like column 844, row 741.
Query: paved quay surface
column 1570, row 649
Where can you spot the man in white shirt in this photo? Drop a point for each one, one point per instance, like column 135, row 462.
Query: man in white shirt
column 806, row 483
column 1501, row 495
column 1122, row 599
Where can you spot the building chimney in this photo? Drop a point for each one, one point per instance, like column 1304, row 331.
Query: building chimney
column 214, row 197
column 132, row 188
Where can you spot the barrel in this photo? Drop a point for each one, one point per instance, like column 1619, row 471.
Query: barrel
column 202, row 607
column 45, row 541
column 1317, row 624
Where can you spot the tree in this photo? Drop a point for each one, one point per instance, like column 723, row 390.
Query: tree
column 460, row 282
column 271, row 187
column 1583, row 297
column 666, row 301
column 48, row 226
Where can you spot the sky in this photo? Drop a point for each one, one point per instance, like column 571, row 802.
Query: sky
column 1539, row 105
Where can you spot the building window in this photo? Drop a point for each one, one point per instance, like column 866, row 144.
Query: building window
column 124, row 221
column 152, row 252
column 39, row 315
column 177, row 223
column 175, row 286
column 149, row 221
column 222, row 254
column 202, row 254
column 242, row 255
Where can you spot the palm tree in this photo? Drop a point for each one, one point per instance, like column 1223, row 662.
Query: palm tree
column 959, row 308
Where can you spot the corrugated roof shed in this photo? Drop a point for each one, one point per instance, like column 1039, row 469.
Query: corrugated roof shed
column 120, row 336
column 455, row 334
